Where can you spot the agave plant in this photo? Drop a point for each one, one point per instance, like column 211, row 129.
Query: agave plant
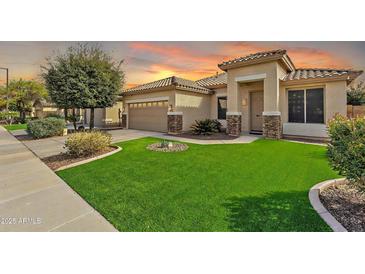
column 206, row 127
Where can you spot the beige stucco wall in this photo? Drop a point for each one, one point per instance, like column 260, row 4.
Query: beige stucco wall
column 151, row 95
column 194, row 106
column 335, row 99
column 99, row 116
column 112, row 113
column 272, row 70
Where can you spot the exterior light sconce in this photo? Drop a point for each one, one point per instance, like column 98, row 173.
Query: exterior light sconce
column 244, row 102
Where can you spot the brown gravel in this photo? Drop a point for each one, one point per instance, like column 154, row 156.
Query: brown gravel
column 346, row 202
column 176, row 147
column 56, row 161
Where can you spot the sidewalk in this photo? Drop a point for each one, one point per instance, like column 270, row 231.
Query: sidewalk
column 33, row 198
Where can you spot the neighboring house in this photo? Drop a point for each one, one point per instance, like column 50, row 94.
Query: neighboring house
column 43, row 108
column 260, row 93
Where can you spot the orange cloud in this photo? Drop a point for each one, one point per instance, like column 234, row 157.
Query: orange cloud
column 192, row 63
column 302, row 57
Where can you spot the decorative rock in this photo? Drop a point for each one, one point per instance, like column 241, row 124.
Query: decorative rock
column 272, row 126
column 175, row 147
column 234, row 125
column 174, row 123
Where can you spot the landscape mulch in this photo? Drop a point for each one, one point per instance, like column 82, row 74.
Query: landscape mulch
column 346, row 202
column 63, row 159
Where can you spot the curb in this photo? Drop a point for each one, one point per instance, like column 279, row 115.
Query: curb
column 319, row 207
column 90, row 159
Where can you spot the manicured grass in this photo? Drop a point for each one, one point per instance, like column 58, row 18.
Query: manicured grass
column 262, row 186
column 15, row 127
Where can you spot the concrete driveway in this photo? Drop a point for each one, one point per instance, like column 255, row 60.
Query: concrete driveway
column 33, row 198
column 55, row 145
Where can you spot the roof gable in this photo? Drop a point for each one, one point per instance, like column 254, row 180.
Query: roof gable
column 260, row 57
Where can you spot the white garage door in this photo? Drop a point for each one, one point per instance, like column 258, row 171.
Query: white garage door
column 148, row 116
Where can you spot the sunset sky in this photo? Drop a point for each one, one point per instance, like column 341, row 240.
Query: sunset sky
column 149, row 61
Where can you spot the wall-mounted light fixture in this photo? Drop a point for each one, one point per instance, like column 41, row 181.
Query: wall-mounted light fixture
column 244, row 102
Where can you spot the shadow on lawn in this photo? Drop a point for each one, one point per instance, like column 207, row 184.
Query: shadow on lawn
column 275, row 211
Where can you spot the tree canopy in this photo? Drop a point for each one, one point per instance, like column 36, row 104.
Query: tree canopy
column 23, row 94
column 84, row 77
column 356, row 94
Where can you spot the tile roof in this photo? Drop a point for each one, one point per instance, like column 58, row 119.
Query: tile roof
column 315, row 73
column 259, row 56
column 173, row 81
column 213, row 81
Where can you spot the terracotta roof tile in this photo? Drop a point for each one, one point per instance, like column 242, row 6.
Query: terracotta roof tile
column 212, row 81
column 315, row 73
column 178, row 82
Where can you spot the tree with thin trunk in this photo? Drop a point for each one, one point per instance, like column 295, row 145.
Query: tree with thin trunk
column 23, row 94
column 84, row 77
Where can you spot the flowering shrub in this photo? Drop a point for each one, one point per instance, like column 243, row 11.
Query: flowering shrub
column 346, row 149
column 87, row 143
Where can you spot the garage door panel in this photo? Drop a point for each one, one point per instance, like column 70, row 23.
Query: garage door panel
column 148, row 116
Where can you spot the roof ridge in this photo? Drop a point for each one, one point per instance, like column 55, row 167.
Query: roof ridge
column 341, row 69
column 213, row 76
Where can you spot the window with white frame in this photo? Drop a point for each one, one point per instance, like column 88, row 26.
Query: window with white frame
column 306, row 106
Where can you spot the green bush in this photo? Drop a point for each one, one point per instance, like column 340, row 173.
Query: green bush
column 356, row 95
column 87, row 143
column 206, row 127
column 46, row 127
column 346, row 149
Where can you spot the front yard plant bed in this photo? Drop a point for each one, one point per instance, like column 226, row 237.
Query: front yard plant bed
column 175, row 147
column 261, row 186
column 63, row 159
column 346, row 202
column 213, row 136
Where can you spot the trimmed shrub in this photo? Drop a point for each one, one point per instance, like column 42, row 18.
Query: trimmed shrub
column 346, row 149
column 46, row 127
column 206, row 127
column 87, row 143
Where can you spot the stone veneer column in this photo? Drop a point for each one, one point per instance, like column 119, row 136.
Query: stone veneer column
column 234, row 123
column 124, row 120
column 174, row 122
column 272, row 127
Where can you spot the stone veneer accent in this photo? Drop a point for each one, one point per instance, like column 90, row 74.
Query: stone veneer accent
column 272, row 126
column 174, row 122
column 234, row 123
column 124, row 120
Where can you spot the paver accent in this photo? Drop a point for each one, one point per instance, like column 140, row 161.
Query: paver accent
column 234, row 123
column 174, row 123
column 33, row 198
column 321, row 210
column 272, row 126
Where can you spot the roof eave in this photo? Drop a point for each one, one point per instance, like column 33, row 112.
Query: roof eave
column 315, row 80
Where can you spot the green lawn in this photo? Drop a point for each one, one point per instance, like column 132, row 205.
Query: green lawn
column 262, row 186
column 15, row 127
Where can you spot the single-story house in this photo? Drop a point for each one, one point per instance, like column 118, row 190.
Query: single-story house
column 259, row 93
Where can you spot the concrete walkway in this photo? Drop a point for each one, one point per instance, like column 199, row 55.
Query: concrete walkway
column 33, row 198
column 54, row 145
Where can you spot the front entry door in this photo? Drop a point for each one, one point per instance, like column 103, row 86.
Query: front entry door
column 257, row 107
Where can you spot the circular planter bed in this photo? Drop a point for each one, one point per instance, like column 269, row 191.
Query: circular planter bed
column 172, row 147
